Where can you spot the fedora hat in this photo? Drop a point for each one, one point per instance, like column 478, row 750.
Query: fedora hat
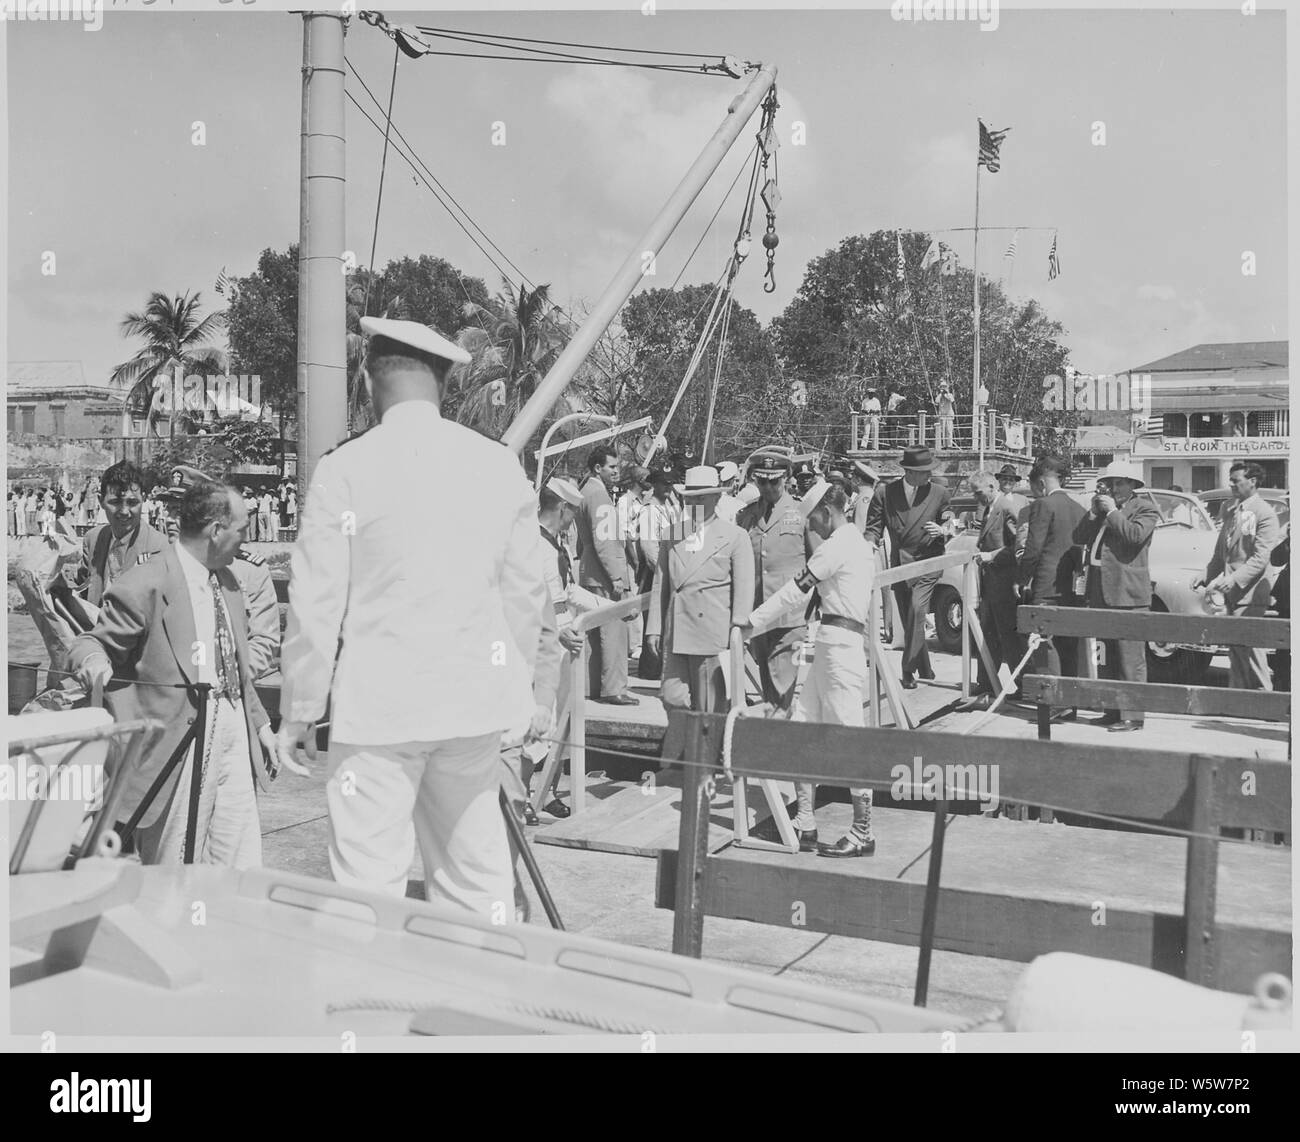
column 918, row 460
column 1006, row 472
column 700, row 481
column 1119, row 470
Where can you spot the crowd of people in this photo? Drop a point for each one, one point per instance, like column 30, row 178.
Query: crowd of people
column 438, row 663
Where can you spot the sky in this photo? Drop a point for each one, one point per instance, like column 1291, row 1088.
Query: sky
column 1151, row 227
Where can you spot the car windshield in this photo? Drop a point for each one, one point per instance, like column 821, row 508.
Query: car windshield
column 1178, row 511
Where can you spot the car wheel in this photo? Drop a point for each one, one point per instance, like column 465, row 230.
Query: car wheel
column 1173, row 664
column 947, row 618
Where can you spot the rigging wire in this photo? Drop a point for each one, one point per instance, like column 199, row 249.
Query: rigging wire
column 567, row 44
column 383, row 166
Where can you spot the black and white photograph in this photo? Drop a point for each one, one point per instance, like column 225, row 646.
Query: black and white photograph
column 650, row 527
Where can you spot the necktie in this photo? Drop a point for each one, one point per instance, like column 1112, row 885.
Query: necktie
column 227, row 666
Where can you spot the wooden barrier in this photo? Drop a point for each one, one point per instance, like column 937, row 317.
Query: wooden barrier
column 1200, row 794
column 1152, row 626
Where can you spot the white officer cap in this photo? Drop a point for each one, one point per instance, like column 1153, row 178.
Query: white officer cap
column 567, row 490
column 415, row 336
column 727, row 470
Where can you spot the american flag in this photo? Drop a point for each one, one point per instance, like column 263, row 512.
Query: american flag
column 931, row 254
column 1053, row 262
column 990, row 143
column 902, row 265
column 1149, row 425
column 1011, row 250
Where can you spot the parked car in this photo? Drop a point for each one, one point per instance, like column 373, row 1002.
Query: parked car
column 1279, row 499
column 1180, row 550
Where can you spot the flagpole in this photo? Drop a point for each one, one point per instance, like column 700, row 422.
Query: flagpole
column 975, row 380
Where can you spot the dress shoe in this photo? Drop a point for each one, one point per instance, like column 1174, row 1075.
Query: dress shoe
column 909, row 683
column 807, row 840
column 849, row 845
column 927, row 673
column 620, row 700
column 530, row 814
column 1065, row 716
column 1126, row 726
column 975, row 702
column 557, row 808
column 1109, row 718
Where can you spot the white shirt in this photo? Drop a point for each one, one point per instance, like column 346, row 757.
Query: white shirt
column 844, row 569
column 199, row 585
column 728, row 507
column 437, row 599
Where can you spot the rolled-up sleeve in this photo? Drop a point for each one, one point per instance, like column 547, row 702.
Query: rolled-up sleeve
column 318, row 593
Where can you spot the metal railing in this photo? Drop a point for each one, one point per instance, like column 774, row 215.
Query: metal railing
column 889, row 433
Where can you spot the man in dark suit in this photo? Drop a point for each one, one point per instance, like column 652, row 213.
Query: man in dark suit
column 1048, row 565
column 602, row 569
column 916, row 515
column 1117, row 533
column 997, row 613
column 125, row 540
column 166, row 626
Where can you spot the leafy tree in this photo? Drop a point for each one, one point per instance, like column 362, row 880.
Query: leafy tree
column 663, row 328
column 249, row 441
column 262, row 317
column 209, row 454
column 176, row 339
column 853, row 322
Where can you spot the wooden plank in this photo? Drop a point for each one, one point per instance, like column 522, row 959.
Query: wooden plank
column 1148, row 785
column 1158, row 698
column 921, row 567
column 688, row 900
column 977, row 923
column 1201, row 883
column 1156, row 626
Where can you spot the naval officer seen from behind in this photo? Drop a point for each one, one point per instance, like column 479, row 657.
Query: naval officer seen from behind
column 418, row 615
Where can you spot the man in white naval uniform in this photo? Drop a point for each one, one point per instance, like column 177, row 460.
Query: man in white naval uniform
column 417, row 612
column 841, row 570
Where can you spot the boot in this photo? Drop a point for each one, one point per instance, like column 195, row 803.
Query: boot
column 858, row 841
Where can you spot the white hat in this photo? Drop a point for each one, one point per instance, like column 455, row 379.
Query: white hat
column 812, row 497
column 727, row 471
column 1119, row 470
column 747, row 495
column 567, row 490
column 701, row 481
column 416, row 336
column 866, row 471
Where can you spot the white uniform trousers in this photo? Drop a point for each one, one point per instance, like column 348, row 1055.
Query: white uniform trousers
column 383, row 799
column 229, row 830
column 832, row 692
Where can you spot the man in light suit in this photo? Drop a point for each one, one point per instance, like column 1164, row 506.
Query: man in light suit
column 417, row 616
column 1117, row 534
column 1237, row 568
column 703, row 586
column 166, row 626
column 1047, row 566
column 915, row 513
column 603, row 570
column 119, row 544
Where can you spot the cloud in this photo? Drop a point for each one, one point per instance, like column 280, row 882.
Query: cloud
column 1150, row 292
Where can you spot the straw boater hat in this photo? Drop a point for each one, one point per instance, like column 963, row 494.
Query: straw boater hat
column 918, row 460
column 422, row 339
column 1119, row 470
column 567, row 490
column 701, row 481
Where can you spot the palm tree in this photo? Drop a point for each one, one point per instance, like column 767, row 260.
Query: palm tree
column 514, row 342
column 176, row 339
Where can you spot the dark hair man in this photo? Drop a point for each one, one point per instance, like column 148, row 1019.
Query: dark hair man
column 167, row 626
column 125, row 539
column 1247, row 536
column 603, row 570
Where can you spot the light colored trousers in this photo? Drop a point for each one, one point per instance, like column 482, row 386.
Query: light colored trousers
column 832, row 692
column 1248, row 665
column 443, row 795
column 229, row 831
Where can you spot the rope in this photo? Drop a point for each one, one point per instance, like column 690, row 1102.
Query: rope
column 564, row 43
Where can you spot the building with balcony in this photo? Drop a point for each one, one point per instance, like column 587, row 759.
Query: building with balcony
column 1212, row 405
column 53, row 399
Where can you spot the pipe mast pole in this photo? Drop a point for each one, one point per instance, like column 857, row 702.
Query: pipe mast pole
column 322, row 346
column 634, row 269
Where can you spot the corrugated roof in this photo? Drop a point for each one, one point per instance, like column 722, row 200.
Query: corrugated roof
column 1227, row 356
